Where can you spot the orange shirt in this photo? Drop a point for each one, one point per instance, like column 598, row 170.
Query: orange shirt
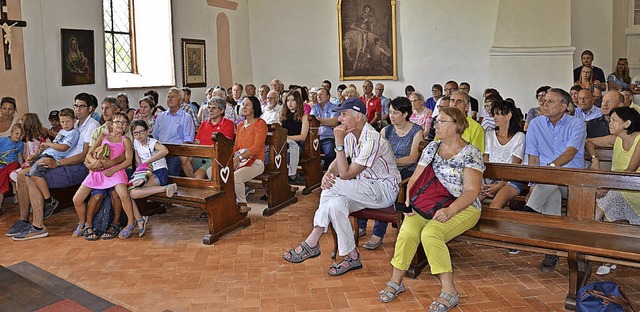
column 252, row 137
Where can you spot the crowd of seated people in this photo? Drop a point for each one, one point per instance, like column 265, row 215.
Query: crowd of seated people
column 369, row 145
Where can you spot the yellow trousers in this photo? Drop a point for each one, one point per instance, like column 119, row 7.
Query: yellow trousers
column 434, row 236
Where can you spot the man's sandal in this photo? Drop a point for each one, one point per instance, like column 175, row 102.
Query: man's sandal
column 437, row 306
column 78, row 231
column 339, row 269
column 307, row 252
column 90, row 236
column 388, row 296
column 111, row 232
column 126, row 232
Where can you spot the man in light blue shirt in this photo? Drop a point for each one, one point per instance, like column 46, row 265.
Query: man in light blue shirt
column 175, row 126
column 555, row 139
column 328, row 120
column 585, row 110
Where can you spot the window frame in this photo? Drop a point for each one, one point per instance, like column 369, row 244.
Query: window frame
column 132, row 39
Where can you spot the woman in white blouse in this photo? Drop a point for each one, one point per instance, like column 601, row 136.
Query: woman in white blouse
column 505, row 144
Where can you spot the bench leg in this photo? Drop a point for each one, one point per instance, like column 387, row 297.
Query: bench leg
column 579, row 272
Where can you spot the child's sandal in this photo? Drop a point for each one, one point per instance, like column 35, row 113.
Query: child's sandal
column 143, row 229
column 126, row 232
column 78, row 231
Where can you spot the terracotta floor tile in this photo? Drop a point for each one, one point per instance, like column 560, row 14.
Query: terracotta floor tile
column 171, row 269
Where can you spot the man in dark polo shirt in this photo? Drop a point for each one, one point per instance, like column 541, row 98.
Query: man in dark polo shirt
column 599, row 127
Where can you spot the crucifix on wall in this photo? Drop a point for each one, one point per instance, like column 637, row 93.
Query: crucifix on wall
column 6, row 24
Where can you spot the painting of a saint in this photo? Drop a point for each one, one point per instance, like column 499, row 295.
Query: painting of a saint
column 194, row 63
column 77, row 57
column 367, row 39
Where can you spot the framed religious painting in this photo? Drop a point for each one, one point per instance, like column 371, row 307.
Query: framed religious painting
column 194, row 63
column 78, row 62
column 367, row 39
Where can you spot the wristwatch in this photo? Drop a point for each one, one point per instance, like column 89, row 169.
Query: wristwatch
column 339, row 148
column 58, row 163
column 552, row 165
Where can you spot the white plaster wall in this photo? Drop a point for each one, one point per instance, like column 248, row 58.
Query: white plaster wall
column 437, row 41
column 591, row 29
column 191, row 19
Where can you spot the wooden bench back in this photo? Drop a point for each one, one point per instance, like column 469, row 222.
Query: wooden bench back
column 277, row 142
column 312, row 142
column 581, row 183
column 221, row 151
column 605, row 155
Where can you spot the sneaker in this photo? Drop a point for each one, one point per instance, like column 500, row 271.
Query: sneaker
column 249, row 190
column 49, row 208
column 606, row 269
column 362, row 232
column 18, row 227
column 548, row 265
column 514, row 251
column 31, row 233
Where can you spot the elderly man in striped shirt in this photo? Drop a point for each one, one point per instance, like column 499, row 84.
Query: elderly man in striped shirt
column 363, row 175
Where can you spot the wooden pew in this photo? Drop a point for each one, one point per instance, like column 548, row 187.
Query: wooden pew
column 605, row 155
column 275, row 178
column 216, row 197
column 576, row 236
column 310, row 158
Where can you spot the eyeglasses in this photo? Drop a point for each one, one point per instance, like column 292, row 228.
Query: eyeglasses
column 138, row 132
column 80, row 106
column 440, row 122
column 118, row 122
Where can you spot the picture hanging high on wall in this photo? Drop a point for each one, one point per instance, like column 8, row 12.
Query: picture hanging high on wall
column 194, row 63
column 78, row 62
column 367, row 34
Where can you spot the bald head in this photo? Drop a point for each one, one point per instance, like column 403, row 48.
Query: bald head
column 585, row 100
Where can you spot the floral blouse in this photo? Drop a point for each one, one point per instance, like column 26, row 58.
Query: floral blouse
column 449, row 172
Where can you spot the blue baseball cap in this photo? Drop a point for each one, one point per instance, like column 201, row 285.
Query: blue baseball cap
column 353, row 103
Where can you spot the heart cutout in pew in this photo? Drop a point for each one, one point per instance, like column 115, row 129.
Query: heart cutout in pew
column 315, row 144
column 224, row 174
column 278, row 161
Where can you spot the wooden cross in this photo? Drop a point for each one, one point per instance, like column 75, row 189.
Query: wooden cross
column 6, row 24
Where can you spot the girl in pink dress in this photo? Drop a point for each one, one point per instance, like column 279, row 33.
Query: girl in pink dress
column 104, row 178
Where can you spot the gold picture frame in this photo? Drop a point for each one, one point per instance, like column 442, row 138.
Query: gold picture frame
column 367, row 39
column 194, row 63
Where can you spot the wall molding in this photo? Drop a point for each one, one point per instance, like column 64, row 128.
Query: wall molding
column 532, row 51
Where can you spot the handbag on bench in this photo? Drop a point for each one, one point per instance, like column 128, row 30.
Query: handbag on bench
column 427, row 195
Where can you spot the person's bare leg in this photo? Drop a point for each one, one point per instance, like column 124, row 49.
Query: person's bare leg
column 37, row 202
column 502, row 198
column 116, row 204
column 200, row 174
column 446, row 279
column 78, row 203
column 95, row 202
column 23, row 195
column 123, row 193
column 187, row 166
column 396, row 276
column 41, row 183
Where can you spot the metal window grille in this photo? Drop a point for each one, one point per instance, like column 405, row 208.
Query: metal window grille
column 119, row 39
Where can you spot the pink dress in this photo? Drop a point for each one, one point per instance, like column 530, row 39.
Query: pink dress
column 97, row 179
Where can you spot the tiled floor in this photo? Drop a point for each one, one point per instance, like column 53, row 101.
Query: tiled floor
column 171, row 269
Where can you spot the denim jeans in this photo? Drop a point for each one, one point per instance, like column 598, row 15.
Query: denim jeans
column 379, row 228
column 328, row 145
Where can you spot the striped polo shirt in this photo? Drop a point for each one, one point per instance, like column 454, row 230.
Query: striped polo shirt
column 374, row 152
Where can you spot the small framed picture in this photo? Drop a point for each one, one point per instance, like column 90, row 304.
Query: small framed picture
column 194, row 63
column 78, row 61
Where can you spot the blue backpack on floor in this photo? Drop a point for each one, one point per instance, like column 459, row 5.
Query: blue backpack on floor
column 104, row 217
column 602, row 297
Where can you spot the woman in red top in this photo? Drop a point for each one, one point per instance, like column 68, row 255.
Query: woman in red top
column 248, row 149
column 215, row 123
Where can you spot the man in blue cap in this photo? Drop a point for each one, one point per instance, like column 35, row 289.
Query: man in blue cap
column 363, row 175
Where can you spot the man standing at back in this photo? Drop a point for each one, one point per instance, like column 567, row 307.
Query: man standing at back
column 587, row 60
column 554, row 139
column 373, row 104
